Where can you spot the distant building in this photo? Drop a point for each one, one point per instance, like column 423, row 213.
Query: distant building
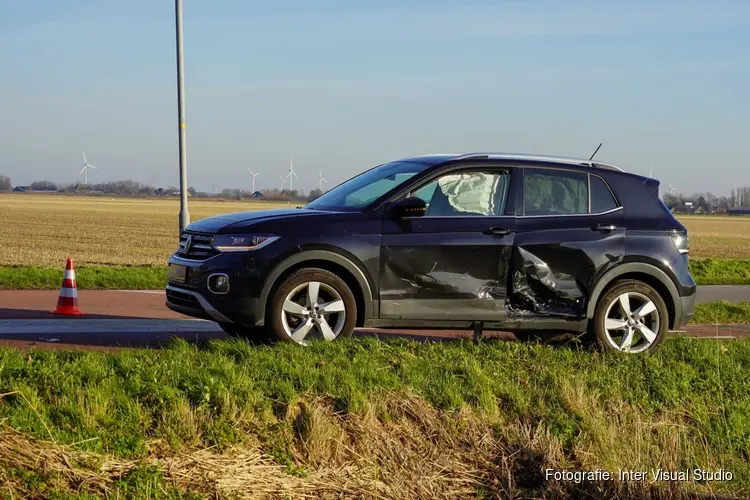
column 686, row 207
column 41, row 189
column 171, row 191
column 257, row 194
column 739, row 210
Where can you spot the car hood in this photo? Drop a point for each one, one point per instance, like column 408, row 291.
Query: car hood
column 234, row 221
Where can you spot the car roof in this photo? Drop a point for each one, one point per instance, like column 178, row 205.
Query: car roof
column 522, row 157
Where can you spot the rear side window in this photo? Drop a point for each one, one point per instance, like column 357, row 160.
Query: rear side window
column 554, row 192
column 601, row 197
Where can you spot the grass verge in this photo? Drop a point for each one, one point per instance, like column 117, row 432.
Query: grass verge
column 720, row 271
column 87, row 278
column 722, row 313
column 704, row 271
column 368, row 418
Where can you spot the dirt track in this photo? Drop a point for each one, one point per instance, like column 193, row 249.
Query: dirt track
column 116, row 319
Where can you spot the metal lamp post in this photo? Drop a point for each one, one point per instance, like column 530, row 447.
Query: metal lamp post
column 184, row 214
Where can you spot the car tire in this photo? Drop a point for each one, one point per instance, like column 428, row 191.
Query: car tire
column 630, row 317
column 332, row 314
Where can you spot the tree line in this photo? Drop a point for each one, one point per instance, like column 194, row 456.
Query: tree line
column 709, row 202
column 135, row 188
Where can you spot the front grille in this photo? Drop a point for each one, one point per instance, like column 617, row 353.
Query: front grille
column 199, row 248
column 183, row 299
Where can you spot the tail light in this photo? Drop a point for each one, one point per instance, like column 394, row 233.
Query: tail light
column 681, row 241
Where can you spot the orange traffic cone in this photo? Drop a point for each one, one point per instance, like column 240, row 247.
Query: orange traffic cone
column 67, row 302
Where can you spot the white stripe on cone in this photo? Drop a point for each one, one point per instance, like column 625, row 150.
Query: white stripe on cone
column 68, row 292
column 70, row 274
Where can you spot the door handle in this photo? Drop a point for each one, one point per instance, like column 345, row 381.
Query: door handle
column 497, row 231
column 604, row 227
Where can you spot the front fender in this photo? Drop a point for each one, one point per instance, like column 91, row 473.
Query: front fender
column 315, row 255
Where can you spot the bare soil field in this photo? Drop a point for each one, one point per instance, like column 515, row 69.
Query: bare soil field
column 42, row 230
column 718, row 237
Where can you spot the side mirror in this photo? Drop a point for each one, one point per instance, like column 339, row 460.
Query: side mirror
column 408, row 207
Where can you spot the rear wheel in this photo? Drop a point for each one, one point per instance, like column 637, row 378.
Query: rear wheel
column 630, row 317
column 312, row 303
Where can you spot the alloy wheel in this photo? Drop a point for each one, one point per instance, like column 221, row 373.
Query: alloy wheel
column 313, row 309
column 631, row 322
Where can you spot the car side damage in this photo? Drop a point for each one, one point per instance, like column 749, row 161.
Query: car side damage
column 538, row 289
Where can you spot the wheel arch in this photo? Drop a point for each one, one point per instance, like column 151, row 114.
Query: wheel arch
column 331, row 261
column 647, row 273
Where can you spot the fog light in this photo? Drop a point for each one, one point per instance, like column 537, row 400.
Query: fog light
column 218, row 283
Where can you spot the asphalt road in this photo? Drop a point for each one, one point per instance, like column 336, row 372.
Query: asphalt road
column 114, row 319
column 730, row 293
column 149, row 304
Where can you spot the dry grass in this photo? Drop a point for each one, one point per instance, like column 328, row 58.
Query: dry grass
column 40, row 230
column 400, row 448
column 44, row 230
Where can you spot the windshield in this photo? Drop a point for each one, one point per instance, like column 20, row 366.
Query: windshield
column 359, row 191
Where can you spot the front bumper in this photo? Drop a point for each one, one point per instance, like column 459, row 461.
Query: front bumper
column 239, row 304
column 193, row 304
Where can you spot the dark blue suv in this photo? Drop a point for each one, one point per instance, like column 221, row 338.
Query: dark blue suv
column 517, row 243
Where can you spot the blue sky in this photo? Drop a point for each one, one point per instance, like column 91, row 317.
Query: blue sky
column 342, row 86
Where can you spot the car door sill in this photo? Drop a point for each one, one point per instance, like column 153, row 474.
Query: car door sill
column 530, row 323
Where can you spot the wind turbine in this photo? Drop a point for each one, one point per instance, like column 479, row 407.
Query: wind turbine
column 290, row 174
column 283, row 180
column 254, row 176
column 321, row 180
column 85, row 170
column 672, row 188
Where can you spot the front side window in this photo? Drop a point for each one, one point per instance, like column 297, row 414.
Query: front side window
column 554, row 192
column 460, row 194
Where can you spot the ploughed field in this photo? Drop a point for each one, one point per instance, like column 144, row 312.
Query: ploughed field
column 42, row 231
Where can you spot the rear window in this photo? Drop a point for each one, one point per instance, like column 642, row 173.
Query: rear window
column 601, row 197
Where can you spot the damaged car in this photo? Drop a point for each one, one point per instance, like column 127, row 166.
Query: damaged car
column 511, row 242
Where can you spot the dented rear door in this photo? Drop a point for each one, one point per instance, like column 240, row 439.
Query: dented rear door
column 557, row 256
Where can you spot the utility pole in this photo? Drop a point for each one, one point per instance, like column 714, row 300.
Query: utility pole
column 184, row 214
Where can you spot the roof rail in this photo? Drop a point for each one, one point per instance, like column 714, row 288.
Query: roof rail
column 607, row 166
column 524, row 156
column 466, row 156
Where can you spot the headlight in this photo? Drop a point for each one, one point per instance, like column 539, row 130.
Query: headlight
column 241, row 242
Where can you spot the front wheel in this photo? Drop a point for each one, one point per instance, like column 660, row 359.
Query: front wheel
column 630, row 317
column 312, row 303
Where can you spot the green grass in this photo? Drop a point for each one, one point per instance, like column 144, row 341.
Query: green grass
column 722, row 313
column 704, row 271
column 720, row 271
column 141, row 482
column 686, row 406
column 87, row 278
